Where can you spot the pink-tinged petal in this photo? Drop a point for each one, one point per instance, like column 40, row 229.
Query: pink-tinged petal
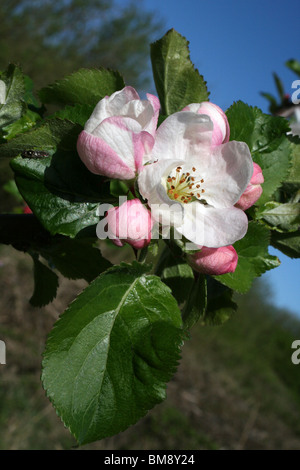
column 257, row 177
column 221, row 131
column 27, row 210
column 142, row 144
column 101, row 159
column 214, row 261
column 156, row 107
column 253, row 191
column 181, row 135
column 249, row 197
column 125, row 137
column 212, row 227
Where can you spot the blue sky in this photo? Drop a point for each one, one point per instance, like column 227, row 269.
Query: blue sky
column 237, row 45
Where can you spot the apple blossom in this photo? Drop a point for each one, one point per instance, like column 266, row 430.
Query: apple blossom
column 130, row 223
column 253, row 191
column 221, row 130
column 214, row 261
column 194, row 185
column 119, row 135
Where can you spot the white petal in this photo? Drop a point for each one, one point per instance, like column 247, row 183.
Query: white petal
column 140, row 110
column 110, row 106
column 211, row 227
column 226, row 171
column 182, row 135
column 119, row 99
column 117, row 133
column 97, row 116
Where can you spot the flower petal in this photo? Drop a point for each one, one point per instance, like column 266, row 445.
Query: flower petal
column 226, row 172
column 125, row 136
column 182, row 135
column 207, row 226
column 221, row 129
column 110, row 106
column 101, row 159
column 214, row 261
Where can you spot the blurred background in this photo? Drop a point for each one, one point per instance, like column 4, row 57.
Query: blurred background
column 236, row 386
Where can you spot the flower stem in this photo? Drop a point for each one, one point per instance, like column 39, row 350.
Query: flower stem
column 143, row 254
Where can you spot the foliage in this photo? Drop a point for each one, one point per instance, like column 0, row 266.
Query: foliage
column 111, row 353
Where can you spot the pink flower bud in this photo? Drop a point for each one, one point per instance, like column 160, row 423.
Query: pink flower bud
column 253, row 191
column 27, row 210
column 130, row 223
column 214, row 261
column 221, row 130
column 119, row 135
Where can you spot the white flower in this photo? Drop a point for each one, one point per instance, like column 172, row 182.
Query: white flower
column 193, row 184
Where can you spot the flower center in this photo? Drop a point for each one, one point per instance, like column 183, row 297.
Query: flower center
column 185, row 186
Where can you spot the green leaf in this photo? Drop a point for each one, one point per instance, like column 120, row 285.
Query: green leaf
column 53, row 134
column 294, row 65
column 59, row 212
column 79, row 113
column 253, row 259
column 195, row 307
column 220, row 306
column 176, row 273
column 74, row 258
column 287, row 243
column 268, row 143
column 13, row 107
column 281, row 217
column 109, row 356
column 11, row 188
column 279, row 86
column 293, row 178
column 45, row 284
column 24, row 124
column 86, row 87
column 60, row 190
column 177, row 82
column 270, row 98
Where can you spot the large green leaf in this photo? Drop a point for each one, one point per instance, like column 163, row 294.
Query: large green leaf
column 177, row 82
column 86, row 87
column 111, row 353
column 267, row 140
column 253, row 259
